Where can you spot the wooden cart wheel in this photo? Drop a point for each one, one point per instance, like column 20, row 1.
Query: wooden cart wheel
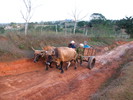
column 91, row 62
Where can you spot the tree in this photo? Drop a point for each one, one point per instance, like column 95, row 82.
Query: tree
column 85, row 25
column 75, row 15
column 2, row 30
column 97, row 16
column 28, row 13
column 126, row 23
column 81, row 23
column 97, row 19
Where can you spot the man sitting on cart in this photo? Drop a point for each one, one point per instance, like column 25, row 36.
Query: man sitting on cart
column 86, row 45
column 85, row 54
column 80, row 52
column 72, row 44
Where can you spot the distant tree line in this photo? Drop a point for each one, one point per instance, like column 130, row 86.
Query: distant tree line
column 98, row 25
column 126, row 23
column 2, row 30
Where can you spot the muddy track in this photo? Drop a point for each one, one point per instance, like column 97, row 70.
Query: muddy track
column 25, row 80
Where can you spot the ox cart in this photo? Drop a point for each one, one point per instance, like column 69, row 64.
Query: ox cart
column 89, row 57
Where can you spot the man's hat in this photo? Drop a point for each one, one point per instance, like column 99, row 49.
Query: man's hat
column 81, row 45
column 72, row 41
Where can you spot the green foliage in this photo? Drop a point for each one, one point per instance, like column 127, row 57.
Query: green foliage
column 99, row 26
column 107, row 41
column 126, row 23
column 2, row 30
column 97, row 16
column 102, row 28
column 31, row 26
column 21, row 46
column 84, row 24
column 102, row 22
column 78, row 31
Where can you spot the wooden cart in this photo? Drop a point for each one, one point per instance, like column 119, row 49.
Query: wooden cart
column 89, row 57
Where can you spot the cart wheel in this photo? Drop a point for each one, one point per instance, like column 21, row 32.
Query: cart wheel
column 91, row 62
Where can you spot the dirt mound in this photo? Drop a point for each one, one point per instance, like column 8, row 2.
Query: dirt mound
column 119, row 86
column 19, row 66
column 3, row 38
column 120, row 42
column 38, row 84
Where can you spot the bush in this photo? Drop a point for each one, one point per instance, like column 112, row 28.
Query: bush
column 126, row 23
column 2, row 30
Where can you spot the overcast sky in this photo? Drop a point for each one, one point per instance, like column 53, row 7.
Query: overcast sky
column 51, row 10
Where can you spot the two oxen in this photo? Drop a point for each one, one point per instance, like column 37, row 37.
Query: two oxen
column 59, row 55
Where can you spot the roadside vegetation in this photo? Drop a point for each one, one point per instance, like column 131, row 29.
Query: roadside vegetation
column 15, row 46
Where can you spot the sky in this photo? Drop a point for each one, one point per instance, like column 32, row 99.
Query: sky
column 52, row 10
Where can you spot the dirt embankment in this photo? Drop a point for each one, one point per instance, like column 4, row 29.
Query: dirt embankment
column 38, row 84
column 119, row 86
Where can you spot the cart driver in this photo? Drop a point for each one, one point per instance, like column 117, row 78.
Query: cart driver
column 80, row 52
column 72, row 44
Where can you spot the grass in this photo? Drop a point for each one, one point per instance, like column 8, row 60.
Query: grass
column 120, row 85
column 19, row 46
column 16, row 43
column 102, row 41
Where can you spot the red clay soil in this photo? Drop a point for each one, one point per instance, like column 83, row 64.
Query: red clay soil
column 3, row 38
column 25, row 80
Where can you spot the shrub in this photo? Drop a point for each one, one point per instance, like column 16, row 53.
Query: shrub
column 2, row 30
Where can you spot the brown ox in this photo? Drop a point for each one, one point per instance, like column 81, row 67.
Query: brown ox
column 47, row 48
column 60, row 55
column 41, row 53
column 37, row 54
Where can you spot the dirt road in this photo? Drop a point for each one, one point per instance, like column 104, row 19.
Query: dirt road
column 25, row 80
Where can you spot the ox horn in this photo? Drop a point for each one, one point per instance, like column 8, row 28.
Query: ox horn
column 32, row 48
